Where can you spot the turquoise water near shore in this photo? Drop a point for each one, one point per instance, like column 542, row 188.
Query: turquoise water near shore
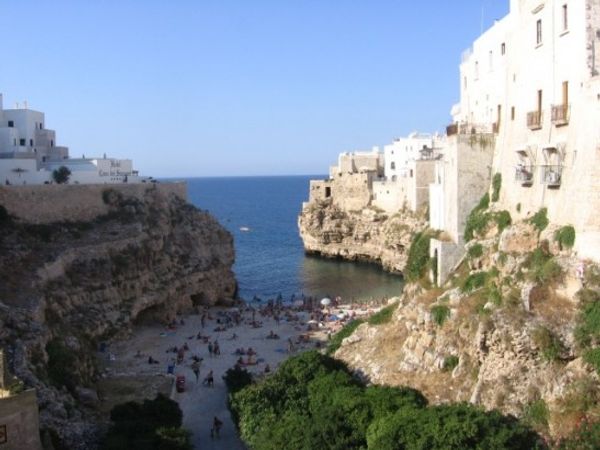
column 269, row 257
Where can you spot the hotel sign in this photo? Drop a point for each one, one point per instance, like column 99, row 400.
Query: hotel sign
column 3, row 436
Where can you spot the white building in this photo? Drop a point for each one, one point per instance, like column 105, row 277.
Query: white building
column 409, row 168
column 29, row 154
column 534, row 79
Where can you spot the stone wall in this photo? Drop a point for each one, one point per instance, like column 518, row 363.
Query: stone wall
column 60, row 203
column 352, row 192
column 19, row 422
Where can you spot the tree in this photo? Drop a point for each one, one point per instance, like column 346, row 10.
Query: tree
column 61, row 175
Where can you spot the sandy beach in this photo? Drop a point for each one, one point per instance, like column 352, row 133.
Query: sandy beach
column 200, row 403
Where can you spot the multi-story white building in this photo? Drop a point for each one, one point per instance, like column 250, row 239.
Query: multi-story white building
column 533, row 81
column 29, row 154
column 409, row 168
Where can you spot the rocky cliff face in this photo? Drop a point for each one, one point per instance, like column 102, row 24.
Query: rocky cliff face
column 500, row 334
column 68, row 286
column 366, row 235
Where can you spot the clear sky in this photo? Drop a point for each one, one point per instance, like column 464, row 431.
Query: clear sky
column 236, row 87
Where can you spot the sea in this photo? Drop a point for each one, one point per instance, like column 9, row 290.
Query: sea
column 262, row 214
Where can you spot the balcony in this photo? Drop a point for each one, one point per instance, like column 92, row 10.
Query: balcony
column 534, row 120
column 469, row 129
column 524, row 175
column 551, row 176
column 560, row 115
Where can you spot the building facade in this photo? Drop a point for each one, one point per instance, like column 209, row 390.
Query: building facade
column 29, row 154
column 533, row 79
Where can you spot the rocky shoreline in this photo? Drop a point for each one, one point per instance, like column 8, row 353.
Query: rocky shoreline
column 368, row 235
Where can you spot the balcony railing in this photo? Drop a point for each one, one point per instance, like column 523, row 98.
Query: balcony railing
column 534, row 120
column 560, row 115
column 551, row 175
column 524, row 175
column 469, row 128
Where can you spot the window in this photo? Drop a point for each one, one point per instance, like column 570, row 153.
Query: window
column 41, row 126
column 11, row 124
column 512, row 113
column 565, row 93
column 503, row 48
column 51, row 143
column 539, row 32
column 22, row 142
column 31, row 142
column 565, row 17
column 393, row 166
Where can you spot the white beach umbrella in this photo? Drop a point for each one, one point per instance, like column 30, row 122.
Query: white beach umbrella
column 299, row 303
column 326, row 301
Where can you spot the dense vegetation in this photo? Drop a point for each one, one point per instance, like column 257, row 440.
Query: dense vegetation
column 151, row 425
column 565, row 237
column 314, row 402
column 479, row 219
column 418, row 256
column 540, row 220
column 61, row 175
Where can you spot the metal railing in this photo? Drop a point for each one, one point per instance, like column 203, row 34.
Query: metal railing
column 469, row 128
column 560, row 114
column 534, row 120
column 524, row 175
column 551, row 175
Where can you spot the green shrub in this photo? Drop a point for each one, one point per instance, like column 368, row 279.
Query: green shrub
column 476, row 251
column 474, row 281
column 592, row 357
column 496, row 185
column 542, row 267
column 494, row 295
column 549, row 344
column 418, row 256
column 478, row 219
column 459, row 426
column 337, row 338
column 565, row 237
column 313, row 402
column 153, row 425
column 61, row 175
column 503, row 220
column 440, row 313
column 236, row 379
column 61, row 364
column 450, row 362
column 540, row 219
column 384, row 315
column 536, row 414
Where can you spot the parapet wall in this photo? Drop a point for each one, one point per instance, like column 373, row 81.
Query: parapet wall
column 73, row 203
column 19, row 422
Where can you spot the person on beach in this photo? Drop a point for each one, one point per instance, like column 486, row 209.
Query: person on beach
column 209, row 380
column 210, row 349
column 216, row 427
column 216, row 348
column 196, row 369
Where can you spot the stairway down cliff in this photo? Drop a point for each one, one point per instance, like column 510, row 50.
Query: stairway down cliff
column 69, row 285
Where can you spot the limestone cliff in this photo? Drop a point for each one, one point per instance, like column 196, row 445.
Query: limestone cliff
column 68, row 286
column 501, row 333
column 366, row 235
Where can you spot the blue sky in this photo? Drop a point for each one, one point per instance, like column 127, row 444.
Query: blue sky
column 236, row 87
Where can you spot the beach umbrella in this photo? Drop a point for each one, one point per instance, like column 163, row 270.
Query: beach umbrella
column 326, row 301
column 312, row 322
column 299, row 303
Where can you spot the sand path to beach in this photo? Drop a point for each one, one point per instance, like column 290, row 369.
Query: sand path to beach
column 199, row 403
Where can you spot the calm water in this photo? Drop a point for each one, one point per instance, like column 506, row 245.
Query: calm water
column 270, row 258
